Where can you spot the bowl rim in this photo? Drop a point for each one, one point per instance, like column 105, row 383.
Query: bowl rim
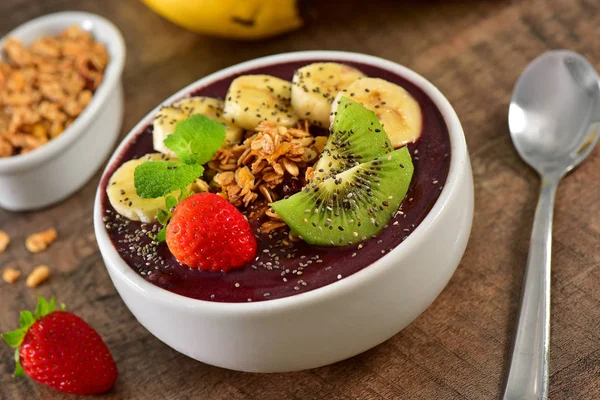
column 116, row 49
column 459, row 157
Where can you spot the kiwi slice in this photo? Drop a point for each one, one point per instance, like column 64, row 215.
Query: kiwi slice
column 350, row 206
column 356, row 137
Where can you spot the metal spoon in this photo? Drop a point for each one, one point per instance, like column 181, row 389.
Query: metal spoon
column 554, row 118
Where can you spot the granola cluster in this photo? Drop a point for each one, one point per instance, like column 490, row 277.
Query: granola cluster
column 259, row 167
column 45, row 86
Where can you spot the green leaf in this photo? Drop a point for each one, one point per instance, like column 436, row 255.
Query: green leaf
column 154, row 179
column 163, row 216
column 43, row 307
column 170, row 202
column 26, row 319
column 52, row 305
column 184, row 194
column 196, row 139
column 18, row 367
column 14, row 338
column 162, row 234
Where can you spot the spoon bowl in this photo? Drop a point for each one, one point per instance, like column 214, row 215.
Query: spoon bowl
column 554, row 113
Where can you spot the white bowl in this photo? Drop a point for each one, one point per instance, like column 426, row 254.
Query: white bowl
column 59, row 168
column 327, row 324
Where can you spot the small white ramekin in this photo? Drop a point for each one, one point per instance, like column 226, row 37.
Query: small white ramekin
column 59, row 168
column 327, row 324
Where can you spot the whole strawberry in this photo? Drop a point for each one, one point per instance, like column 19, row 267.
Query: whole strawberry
column 60, row 350
column 209, row 233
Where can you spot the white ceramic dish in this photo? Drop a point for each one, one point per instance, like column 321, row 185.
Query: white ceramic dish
column 60, row 167
column 327, row 324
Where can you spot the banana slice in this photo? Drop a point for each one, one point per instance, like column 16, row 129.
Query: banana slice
column 399, row 113
column 252, row 99
column 314, row 87
column 123, row 197
column 168, row 116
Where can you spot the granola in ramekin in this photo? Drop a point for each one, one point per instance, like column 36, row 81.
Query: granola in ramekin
column 45, row 86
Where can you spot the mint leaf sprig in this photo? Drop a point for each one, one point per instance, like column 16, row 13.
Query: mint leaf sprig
column 194, row 141
column 154, row 179
column 164, row 216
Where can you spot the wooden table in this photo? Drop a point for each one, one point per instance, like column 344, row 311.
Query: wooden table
column 473, row 51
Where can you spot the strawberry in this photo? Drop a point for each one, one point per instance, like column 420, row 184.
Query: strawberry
column 60, row 350
column 207, row 232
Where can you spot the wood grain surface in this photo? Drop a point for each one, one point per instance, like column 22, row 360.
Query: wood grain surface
column 473, row 51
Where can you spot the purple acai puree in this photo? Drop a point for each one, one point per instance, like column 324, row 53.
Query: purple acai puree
column 281, row 270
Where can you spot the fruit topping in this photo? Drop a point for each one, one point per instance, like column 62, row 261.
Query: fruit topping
column 355, row 195
column 356, row 137
column 399, row 113
column 252, row 99
column 209, row 233
column 315, row 86
column 60, row 350
column 168, row 116
column 351, row 206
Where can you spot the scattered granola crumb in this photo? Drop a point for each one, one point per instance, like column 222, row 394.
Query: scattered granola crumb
column 4, row 241
column 38, row 276
column 10, row 275
column 40, row 241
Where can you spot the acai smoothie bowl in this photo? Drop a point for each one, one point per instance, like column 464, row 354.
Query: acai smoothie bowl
column 287, row 212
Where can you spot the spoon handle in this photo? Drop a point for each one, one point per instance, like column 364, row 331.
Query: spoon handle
column 528, row 374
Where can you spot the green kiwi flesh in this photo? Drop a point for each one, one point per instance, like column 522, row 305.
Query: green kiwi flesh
column 350, row 206
column 356, row 137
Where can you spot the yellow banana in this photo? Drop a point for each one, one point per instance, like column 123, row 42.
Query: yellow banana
column 239, row 19
column 252, row 99
column 316, row 85
column 124, row 198
column 168, row 116
column 399, row 113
